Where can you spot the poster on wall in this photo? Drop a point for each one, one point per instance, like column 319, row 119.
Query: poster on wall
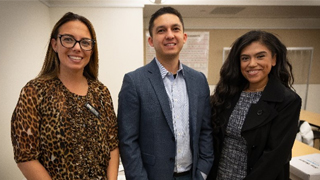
column 195, row 52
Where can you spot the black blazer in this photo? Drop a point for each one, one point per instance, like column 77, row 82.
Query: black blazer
column 269, row 130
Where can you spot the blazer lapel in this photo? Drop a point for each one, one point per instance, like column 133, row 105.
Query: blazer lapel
column 258, row 115
column 264, row 111
column 193, row 100
column 153, row 74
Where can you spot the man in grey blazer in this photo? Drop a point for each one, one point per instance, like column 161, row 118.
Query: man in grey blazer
column 164, row 121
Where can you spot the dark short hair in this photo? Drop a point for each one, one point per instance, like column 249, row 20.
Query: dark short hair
column 162, row 11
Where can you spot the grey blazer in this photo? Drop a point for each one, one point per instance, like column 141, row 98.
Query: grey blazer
column 147, row 142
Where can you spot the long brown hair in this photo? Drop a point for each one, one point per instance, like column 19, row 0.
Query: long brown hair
column 232, row 81
column 50, row 67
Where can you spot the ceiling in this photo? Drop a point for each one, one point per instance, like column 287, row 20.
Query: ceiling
column 213, row 11
column 210, row 8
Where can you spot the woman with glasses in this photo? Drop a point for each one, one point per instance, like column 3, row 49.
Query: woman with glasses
column 64, row 125
column 255, row 111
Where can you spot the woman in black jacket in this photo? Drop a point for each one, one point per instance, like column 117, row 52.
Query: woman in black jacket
column 255, row 112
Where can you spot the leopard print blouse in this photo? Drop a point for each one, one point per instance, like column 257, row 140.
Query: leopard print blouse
column 70, row 135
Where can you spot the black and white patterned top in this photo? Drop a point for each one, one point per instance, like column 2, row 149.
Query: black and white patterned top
column 233, row 162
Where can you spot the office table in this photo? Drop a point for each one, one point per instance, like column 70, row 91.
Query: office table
column 300, row 149
column 310, row 117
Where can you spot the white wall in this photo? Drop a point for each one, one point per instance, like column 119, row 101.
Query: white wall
column 120, row 41
column 313, row 98
column 24, row 33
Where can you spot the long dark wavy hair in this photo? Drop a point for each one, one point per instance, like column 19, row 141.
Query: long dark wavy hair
column 233, row 82
column 51, row 66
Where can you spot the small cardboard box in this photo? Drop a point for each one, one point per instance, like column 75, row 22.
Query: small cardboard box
column 306, row 167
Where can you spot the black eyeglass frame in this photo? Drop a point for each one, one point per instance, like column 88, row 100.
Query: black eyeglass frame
column 75, row 42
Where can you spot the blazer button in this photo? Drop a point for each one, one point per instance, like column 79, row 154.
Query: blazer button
column 253, row 147
column 171, row 159
column 259, row 112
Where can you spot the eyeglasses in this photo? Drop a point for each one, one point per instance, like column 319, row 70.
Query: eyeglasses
column 68, row 41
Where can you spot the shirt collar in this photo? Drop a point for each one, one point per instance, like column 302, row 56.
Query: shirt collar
column 164, row 71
